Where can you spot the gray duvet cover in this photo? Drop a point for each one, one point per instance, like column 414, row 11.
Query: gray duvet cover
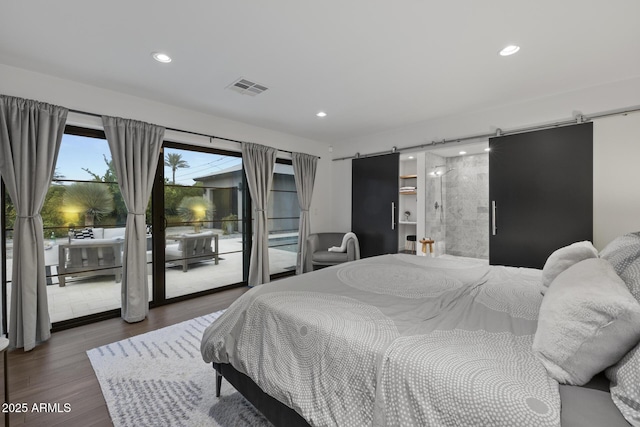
column 394, row 340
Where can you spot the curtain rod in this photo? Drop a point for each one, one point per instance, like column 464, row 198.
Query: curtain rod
column 183, row 131
column 580, row 118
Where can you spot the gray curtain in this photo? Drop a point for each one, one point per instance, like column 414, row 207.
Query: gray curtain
column 259, row 162
column 304, row 172
column 135, row 147
column 30, row 137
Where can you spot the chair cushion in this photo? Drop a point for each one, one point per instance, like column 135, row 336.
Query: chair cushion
column 326, row 257
column 326, row 240
column 173, row 252
column 111, row 233
column 98, row 233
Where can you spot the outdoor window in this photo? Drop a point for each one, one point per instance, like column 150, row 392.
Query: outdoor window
column 84, row 219
column 283, row 220
column 203, row 212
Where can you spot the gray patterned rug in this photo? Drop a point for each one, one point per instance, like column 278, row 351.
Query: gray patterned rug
column 160, row 379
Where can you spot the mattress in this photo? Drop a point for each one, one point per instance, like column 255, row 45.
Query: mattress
column 590, row 405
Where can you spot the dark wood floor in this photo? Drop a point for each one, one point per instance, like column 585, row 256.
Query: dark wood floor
column 59, row 370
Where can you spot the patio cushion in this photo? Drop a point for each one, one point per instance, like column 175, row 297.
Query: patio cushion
column 111, row 233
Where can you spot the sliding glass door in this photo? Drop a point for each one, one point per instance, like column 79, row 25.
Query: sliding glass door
column 199, row 227
column 283, row 220
column 203, row 232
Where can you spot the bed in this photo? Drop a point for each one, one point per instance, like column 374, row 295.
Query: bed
column 400, row 340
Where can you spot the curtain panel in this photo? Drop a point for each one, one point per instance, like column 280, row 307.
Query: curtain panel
column 30, row 137
column 259, row 163
column 304, row 173
column 135, row 147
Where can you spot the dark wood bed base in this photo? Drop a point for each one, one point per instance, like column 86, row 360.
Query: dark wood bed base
column 598, row 412
column 278, row 413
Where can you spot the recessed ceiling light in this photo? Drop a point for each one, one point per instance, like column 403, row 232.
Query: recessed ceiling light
column 321, row 114
column 487, row 149
column 410, row 157
column 509, row 50
column 161, row 57
column 463, row 152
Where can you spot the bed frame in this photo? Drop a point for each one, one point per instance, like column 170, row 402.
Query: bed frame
column 278, row 413
column 589, row 409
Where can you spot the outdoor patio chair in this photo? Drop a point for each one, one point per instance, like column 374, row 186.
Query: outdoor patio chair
column 192, row 248
column 89, row 258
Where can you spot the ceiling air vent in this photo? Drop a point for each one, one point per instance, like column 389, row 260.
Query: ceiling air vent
column 247, row 87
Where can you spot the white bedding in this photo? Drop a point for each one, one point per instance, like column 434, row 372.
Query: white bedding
column 394, row 340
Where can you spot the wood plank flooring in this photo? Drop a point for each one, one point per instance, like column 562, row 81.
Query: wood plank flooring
column 59, row 370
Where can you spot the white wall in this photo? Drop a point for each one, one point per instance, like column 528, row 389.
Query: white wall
column 607, row 138
column 342, row 195
column 616, row 180
column 73, row 95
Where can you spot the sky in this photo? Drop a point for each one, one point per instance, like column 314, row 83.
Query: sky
column 78, row 152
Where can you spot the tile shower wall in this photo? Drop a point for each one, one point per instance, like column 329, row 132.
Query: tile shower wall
column 466, row 204
column 434, row 218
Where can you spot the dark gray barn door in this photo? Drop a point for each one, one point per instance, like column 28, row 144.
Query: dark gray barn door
column 540, row 193
column 374, row 203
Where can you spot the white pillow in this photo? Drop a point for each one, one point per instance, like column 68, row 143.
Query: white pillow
column 98, row 233
column 588, row 321
column 564, row 258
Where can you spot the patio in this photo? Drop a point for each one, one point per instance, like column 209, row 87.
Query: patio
column 88, row 295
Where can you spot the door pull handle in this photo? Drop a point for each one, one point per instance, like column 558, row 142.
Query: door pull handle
column 494, row 227
column 393, row 215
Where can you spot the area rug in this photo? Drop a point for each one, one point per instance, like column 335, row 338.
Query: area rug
column 160, row 379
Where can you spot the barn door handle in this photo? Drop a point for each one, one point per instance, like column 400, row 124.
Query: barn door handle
column 494, row 228
column 393, row 215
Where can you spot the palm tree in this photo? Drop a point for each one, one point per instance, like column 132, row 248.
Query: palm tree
column 57, row 176
column 174, row 161
column 90, row 198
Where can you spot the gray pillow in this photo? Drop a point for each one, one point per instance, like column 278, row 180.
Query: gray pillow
column 624, row 255
column 564, row 258
column 588, row 321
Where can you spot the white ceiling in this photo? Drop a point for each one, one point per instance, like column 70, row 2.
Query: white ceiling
column 372, row 65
